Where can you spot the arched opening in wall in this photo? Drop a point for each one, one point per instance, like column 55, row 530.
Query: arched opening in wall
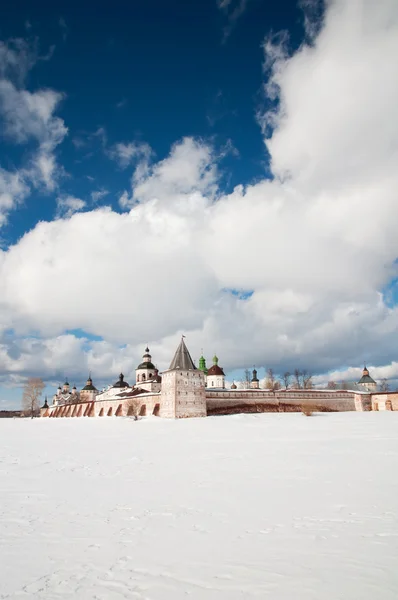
column 376, row 406
column 156, row 410
column 109, row 413
column 79, row 412
column 143, row 410
column 388, row 405
column 143, row 377
column 101, row 412
column 119, row 411
column 138, row 378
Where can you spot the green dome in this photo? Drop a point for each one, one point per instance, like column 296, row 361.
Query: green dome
column 146, row 365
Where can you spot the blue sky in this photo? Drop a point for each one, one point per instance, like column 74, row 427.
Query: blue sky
column 152, row 72
column 209, row 168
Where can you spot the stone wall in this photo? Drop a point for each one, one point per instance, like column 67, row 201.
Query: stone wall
column 219, row 402
column 385, row 401
column 146, row 405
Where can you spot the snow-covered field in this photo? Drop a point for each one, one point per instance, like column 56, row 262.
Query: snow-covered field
column 241, row 507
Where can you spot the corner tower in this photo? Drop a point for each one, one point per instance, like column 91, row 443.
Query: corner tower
column 366, row 382
column 183, row 387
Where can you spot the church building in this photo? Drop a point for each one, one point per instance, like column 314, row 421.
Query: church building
column 184, row 391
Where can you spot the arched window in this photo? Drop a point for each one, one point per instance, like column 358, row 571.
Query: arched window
column 143, row 377
column 138, row 378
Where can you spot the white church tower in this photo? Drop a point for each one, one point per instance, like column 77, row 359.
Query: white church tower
column 215, row 376
column 183, row 387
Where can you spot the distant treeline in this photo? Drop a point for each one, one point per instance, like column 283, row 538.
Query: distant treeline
column 9, row 414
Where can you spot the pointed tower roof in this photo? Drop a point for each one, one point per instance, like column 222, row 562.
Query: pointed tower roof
column 182, row 359
column 366, row 378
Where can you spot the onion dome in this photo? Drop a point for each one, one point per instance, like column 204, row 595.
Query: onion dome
column 202, row 364
column 147, row 361
column 66, row 383
column 45, row 405
column 121, row 383
column 255, row 378
column 215, row 359
column 59, row 387
column 233, row 386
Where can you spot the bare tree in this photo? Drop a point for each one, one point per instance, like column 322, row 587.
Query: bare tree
column 270, row 381
column 384, row 386
column 32, row 392
column 285, row 379
column 133, row 408
column 332, row 385
column 246, row 380
column 297, row 378
column 306, row 379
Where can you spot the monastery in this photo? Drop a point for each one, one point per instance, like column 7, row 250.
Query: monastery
column 184, row 390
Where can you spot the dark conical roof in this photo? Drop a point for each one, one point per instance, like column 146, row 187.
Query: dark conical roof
column 182, row 359
column 121, row 383
column 366, row 378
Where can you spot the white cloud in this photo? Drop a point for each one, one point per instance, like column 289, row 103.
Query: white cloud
column 317, row 244
column 13, row 190
column 98, row 194
column 29, row 116
column 68, row 205
column 126, row 154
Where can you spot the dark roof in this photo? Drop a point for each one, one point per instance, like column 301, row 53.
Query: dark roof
column 254, row 378
column 215, row 370
column 182, row 359
column 366, row 378
column 121, row 383
column 134, row 392
column 146, row 365
column 90, row 387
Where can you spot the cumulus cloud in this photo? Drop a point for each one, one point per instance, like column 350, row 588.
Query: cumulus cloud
column 98, row 194
column 68, row 205
column 29, row 116
column 127, row 153
column 311, row 250
column 13, row 190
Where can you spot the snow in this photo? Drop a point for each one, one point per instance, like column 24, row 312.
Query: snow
column 277, row 506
